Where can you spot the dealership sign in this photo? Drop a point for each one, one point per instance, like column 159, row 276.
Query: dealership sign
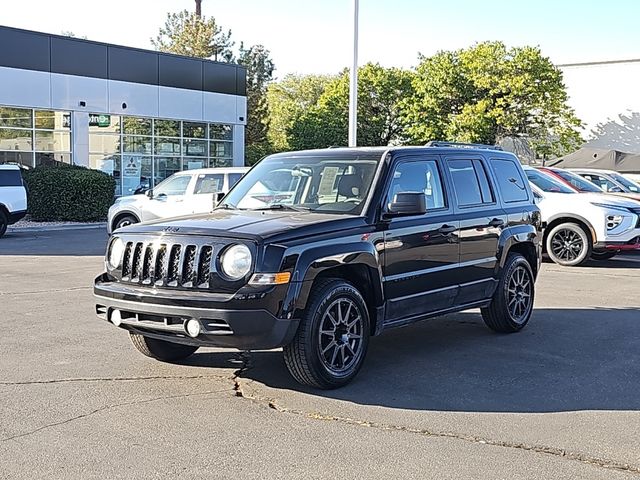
column 95, row 120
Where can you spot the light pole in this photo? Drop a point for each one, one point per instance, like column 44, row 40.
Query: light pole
column 199, row 8
column 353, row 90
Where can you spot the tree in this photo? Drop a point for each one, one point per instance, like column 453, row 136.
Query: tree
column 380, row 92
column 290, row 98
column 487, row 93
column 260, row 69
column 190, row 34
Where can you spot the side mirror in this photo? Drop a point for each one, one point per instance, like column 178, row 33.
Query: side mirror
column 407, row 203
column 149, row 193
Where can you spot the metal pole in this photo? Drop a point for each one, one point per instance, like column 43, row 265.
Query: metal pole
column 353, row 91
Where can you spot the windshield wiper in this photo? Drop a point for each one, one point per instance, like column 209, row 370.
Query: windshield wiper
column 226, row 206
column 280, row 206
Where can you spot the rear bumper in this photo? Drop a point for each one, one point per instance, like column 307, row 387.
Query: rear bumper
column 250, row 329
column 15, row 217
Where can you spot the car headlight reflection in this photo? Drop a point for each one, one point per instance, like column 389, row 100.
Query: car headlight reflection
column 235, row 262
column 116, row 249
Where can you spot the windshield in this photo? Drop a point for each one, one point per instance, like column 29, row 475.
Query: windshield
column 626, row 183
column 547, row 183
column 582, row 184
column 325, row 183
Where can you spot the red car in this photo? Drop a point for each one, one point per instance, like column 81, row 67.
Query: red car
column 573, row 180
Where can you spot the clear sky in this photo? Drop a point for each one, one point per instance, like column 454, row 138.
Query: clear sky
column 314, row 36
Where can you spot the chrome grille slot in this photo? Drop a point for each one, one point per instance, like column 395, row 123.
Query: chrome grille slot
column 189, row 272
column 160, row 270
column 204, row 266
column 136, row 264
column 174, row 264
column 147, row 264
column 126, row 260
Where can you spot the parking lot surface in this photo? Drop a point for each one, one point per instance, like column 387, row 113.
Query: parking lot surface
column 442, row 399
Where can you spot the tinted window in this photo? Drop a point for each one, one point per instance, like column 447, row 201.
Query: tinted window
column 176, row 185
column 626, row 183
column 602, row 182
column 546, row 183
column 470, row 182
column 209, row 183
column 233, row 179
column 418, row 177
column 510, row 181
column 10, row 178
column 582, row 184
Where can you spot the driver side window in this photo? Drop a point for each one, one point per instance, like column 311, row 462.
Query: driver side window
column 176, row 185
column 421, row 176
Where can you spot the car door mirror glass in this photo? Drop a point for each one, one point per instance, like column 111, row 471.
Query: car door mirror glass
column 408, row 203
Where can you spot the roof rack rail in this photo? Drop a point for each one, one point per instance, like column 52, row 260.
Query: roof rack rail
column 436, row 143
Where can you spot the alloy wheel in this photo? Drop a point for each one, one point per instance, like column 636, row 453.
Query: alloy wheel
column 519, row 294
column 340, row 336
column 567, row 245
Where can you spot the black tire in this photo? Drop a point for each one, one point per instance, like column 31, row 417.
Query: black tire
column 321, row 336
column 506, row 313
column 124, row 221
column 161, row 350
column 569, row 245
column 4, row 223
column 603, row 254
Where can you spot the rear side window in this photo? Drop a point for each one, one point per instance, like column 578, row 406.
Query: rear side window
column 470, row 182
column 209, row 183
column 510, row 181
column 10, row 178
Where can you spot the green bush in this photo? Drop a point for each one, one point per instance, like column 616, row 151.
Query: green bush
column 69, row 193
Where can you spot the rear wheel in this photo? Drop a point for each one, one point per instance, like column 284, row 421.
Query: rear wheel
column 603, row 254
column 569, row 245
column 4, row 222
column 161, row 350
column 331, row 342
column 512, row 303
column 125, row 221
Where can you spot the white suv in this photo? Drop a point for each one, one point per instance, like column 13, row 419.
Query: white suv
column 13, row 196
column 184, row 193
column 580, row 226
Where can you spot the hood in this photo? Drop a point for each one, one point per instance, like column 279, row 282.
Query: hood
column 129, row 199
column 609, row 199
column 275, row 225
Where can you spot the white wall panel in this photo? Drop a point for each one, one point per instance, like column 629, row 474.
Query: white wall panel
column 180, row 104
column 141, row 99
column 220, row 108
column 238, row 146
column 67, row 91
column 241, row 109
column 25, row 88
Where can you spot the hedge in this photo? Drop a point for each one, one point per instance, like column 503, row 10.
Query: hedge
column 69, row 193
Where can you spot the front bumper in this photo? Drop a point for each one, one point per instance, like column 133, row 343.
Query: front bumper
column 250, row 329
column 633, row 244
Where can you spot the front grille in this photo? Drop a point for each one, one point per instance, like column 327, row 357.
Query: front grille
column 167, row 265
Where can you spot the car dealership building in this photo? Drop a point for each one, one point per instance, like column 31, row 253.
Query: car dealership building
column 138, row 115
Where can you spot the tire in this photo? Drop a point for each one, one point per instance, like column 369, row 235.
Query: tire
column 124, row 221
column 4, row 223
column 327, row 352
column 512, row 303
column 569, row 245
column 161, row 350
column 603, row 254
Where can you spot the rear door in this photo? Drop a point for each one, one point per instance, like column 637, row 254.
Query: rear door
column 205, row 191
column 420, row 252
column 481, row 222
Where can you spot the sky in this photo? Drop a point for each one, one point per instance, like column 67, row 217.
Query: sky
column 307, row 36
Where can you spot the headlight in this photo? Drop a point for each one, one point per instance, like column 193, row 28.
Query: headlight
column 612, row 207
column 613, row 221
column 235, row 262
column 116, row 249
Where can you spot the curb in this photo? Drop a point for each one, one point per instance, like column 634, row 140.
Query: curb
column 56, row 228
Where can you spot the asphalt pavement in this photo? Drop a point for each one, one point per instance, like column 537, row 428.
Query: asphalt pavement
column 444, row 399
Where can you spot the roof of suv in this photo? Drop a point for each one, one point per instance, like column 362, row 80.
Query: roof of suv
column 592, row 170
column 197, row 171
column 438, row 146
column 9, row 167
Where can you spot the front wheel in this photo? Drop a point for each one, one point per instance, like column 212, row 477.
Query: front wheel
column 4, row 222
column 569, row 245
column 125, row 221
column 331, row 342
column 161, row 350
column 603, row 254
column 512, row 303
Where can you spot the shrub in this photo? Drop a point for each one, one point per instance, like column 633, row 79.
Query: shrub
column 69, row 193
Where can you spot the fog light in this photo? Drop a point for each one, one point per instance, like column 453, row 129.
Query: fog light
column 116, row 318
column 193, row 328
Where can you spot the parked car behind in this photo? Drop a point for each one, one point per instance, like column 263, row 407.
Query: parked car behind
column 13, row 196
column 572, row 180
column 610, row 182
column 583, row 226
column 183, row 193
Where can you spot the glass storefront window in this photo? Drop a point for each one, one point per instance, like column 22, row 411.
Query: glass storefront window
column 220, row 162
column 195, row 148
column 136, row 126
column 165, row 167
column 136, row 173
column 220, row 132
column 49, row 141
column 13, row 139
column 137, row 145
column 167, row 128
column 23, row 158
column 194, row 130
column 51, row 158
column 16, row 117
column 221, row 149
column 191, row 163
column 167, row 146
column 104, row 143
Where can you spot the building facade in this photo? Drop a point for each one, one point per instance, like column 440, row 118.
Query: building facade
column 138, row 115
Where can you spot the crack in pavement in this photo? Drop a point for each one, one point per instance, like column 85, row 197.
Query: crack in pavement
column 109, row 407
column 272, row 404
column 53, row 290
column 114, row 379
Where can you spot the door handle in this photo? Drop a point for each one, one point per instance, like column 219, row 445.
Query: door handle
column 496, row 222
column 447, row 229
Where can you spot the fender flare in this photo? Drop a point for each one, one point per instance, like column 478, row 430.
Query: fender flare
column 592, row 231
column 518, row 235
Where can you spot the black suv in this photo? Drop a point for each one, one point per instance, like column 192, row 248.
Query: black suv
column 317, row 251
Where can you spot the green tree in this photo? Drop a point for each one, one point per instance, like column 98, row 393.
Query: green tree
column 290, row 98
column 260, row 69
column 190, row 34
column 380, row 92
column 487, row 93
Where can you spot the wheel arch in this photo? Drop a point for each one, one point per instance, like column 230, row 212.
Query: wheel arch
column 119, row 216
column 522, row 239
column 577, row 219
